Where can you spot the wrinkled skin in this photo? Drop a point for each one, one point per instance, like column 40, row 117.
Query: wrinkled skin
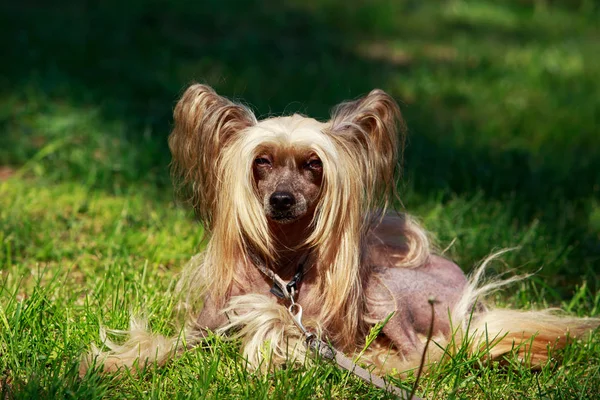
column 288, row 184
column 438, row 279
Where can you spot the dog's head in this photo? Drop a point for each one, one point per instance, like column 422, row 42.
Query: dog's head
column 247, row 173
column 287, row 166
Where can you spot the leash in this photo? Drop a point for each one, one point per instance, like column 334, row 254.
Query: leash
column 288, row 291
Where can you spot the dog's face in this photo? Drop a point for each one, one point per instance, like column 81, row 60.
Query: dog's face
column 287, row 184
column 287, row 171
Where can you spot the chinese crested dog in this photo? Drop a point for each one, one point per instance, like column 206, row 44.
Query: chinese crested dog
column 294, row 199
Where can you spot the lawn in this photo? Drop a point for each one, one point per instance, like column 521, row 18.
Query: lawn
column 502, row 101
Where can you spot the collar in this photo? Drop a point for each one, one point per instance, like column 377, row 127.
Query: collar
column 280, row 288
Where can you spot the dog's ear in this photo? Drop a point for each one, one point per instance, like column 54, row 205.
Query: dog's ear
column 374, row 128
column 204, row 124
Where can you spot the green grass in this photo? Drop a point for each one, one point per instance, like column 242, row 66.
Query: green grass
column 502, row 99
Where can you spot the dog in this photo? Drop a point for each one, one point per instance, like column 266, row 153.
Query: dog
column 292, row 199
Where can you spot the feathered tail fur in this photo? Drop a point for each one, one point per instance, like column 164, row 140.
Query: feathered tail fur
column 140, row 349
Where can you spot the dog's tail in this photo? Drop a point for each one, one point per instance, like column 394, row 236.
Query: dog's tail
column 140, row 349
column 530, row 335
column 494, row 332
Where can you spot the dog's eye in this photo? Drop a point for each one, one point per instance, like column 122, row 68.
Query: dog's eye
column 314, row 164
column 262, row 161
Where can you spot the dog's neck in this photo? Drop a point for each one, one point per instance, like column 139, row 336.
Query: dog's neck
column 289, row 240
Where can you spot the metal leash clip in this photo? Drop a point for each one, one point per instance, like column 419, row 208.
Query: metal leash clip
column 311, row 340
column 295, row 311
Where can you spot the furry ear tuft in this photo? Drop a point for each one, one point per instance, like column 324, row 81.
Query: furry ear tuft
column 204, row 124
column 373, row 127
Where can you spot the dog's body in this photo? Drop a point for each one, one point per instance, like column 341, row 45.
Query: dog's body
column 288, row 191
column 389, row 289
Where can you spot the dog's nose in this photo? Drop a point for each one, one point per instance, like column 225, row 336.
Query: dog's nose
column 282, row 201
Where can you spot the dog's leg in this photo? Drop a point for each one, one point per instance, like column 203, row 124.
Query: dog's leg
column 141, row 348
column 211, row 317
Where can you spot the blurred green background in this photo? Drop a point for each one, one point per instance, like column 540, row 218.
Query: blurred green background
column 502, row 100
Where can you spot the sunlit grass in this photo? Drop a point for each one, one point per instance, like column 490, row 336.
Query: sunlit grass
column 501, row 100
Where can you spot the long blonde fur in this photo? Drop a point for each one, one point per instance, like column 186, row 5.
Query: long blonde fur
column 269, row 337
column 141, row 347
column 214, row 143
column 359, row 151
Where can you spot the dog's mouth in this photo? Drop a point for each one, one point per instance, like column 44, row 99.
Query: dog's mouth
column 283, row 217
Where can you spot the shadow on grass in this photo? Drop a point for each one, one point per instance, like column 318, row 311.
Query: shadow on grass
column 128, row 61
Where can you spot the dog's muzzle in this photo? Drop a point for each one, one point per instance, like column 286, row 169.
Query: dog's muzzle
column 283, row 207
